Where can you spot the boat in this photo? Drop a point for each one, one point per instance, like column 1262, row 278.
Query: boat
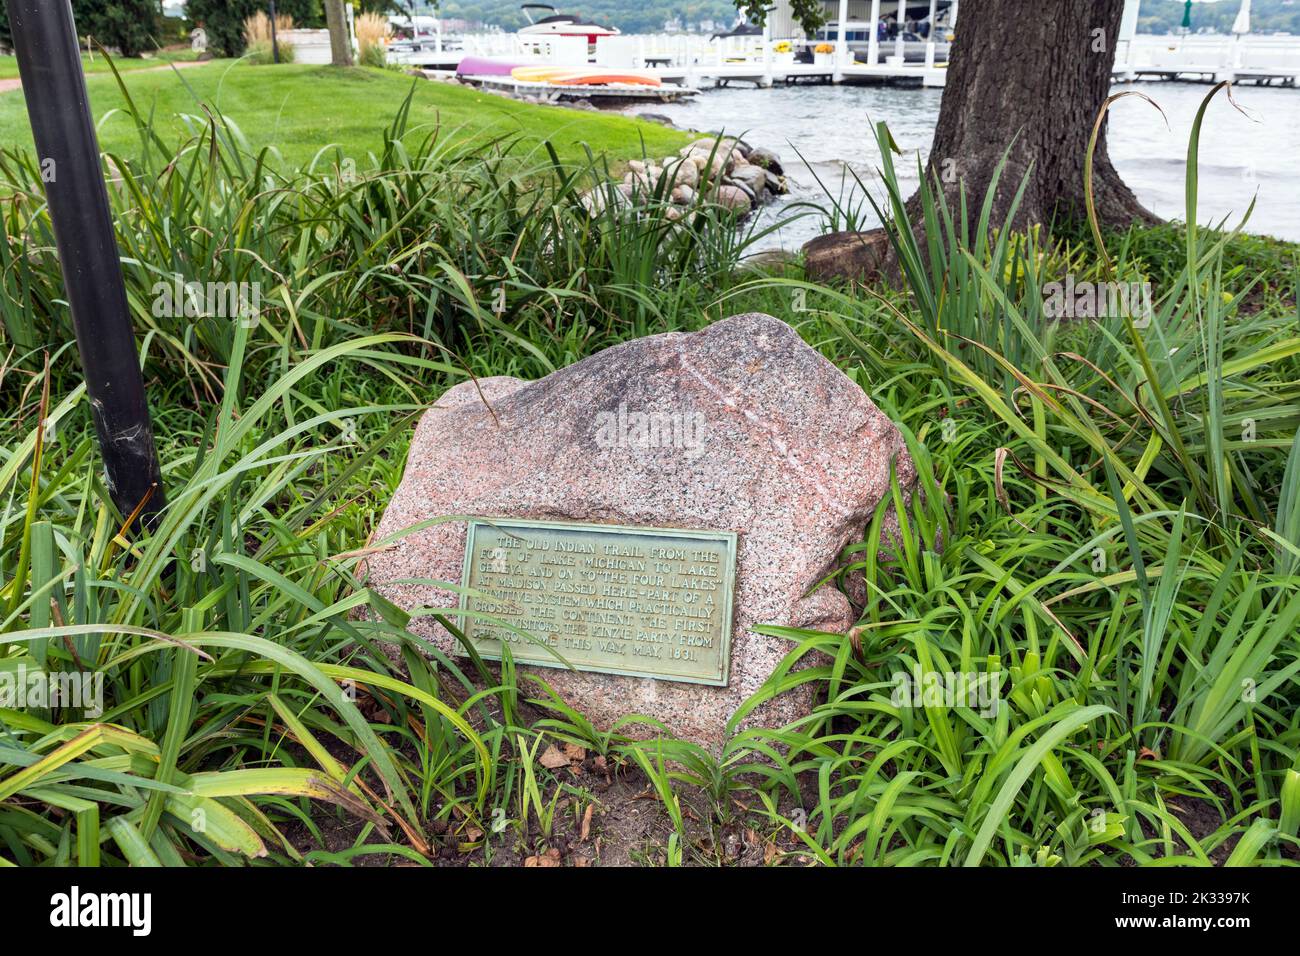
column 419, row 41
column 408, row 34
column 562, row 25
column 486, row 66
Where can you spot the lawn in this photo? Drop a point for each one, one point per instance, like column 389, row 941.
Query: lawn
column 98, row 64
column 1113, row 535
column 300, row 110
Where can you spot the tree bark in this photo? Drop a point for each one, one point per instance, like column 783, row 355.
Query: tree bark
column 1029, row 79
column 340, row 45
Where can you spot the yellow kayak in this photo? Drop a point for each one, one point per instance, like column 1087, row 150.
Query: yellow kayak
column 576, row 76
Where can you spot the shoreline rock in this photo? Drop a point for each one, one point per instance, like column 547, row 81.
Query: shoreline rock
column 712, row 170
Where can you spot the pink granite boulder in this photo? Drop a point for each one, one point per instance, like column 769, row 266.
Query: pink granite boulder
column 782, row 449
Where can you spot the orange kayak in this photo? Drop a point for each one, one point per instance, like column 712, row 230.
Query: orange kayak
column 571, row 76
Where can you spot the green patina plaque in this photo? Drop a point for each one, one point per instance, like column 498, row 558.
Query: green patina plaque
column 643, row 602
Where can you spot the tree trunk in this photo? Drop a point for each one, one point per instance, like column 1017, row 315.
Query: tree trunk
column 340, row 45
column 1031, row 78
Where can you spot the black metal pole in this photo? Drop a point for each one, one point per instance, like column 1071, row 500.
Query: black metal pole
column 49, row 62
column 275, row 44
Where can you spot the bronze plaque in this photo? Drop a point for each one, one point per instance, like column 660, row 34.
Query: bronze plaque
column 643, row 602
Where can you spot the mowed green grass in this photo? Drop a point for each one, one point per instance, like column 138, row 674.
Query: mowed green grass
column 300, row 110
column 98, row 64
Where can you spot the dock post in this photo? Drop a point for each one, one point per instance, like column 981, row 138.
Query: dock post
column 841, row 44
column 767, row 55
column 900, row 55
column 1240, row 27
column 1127, row 37
column 929, row 40
column 873, row 44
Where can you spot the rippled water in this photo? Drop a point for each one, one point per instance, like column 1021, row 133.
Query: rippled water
column 830, row 126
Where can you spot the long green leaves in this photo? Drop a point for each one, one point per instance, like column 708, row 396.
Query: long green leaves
column 1081, row 618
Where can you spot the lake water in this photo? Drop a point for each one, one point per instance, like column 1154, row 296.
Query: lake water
column 831, row 127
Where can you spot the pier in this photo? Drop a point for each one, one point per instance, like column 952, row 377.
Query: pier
column 859, row 54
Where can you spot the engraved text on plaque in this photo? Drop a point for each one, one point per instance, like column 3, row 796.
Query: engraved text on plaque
column 644, row 602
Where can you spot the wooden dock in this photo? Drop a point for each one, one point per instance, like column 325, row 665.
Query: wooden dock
column 607, row 92
column 693, row 64
column 770, row 74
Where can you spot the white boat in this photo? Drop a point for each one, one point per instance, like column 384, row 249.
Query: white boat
column 562, row 25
